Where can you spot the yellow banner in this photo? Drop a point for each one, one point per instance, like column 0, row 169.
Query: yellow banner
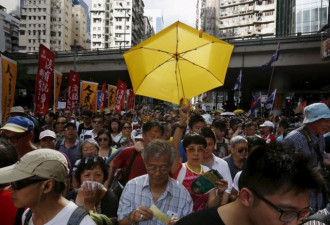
column 111, row 96
column 57, row 87
column 88, row 95
column 8, row 77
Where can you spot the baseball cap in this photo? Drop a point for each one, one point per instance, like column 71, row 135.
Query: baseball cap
column 315, row 112
column 16, row 109
column 18, row 124
column 106, row 112
column 44, row 163
column 47, row 133
column 267, row 124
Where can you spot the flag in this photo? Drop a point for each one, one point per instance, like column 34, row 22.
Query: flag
column 88, row 95
column 130, row 99
column 238, row 83
column 120, row 95
column 111, row 96
column 270, row 101
column 274, row 58
column 57, row 87
column 73, row 90
column 103, row 96
column 256, row 104
column 8, row 75
column 44, row 80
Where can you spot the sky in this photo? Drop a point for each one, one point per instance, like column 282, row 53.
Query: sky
column 173, row 10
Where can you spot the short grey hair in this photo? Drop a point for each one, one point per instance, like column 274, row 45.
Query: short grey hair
column 237, row 140
column 157, row 148
column 90, row 141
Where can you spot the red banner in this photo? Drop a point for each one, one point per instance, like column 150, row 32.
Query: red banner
column 44, row 80
column 103, row 93
column 130, row 100
column 120, row 95
column 73, row 90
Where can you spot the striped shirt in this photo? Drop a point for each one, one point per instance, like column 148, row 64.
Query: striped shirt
column 175, row 199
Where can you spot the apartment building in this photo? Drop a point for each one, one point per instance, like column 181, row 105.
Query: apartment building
column 117, row 23
column 247, row 18
column 79, row 27
column 9, row 25
column 47, row 22
column 155, row 17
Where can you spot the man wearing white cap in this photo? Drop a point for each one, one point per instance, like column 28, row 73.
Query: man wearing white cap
column 16, row 111
column 309, row 140
column 267, row 132
column 47, row 139
column 37, row 182
column 18, row 131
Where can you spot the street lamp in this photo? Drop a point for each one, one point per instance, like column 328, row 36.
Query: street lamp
column 124, row 23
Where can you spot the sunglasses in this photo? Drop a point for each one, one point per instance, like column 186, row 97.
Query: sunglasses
column 241, row 150
column 102, row 139
column 14, row 138
column 17, row 185
column 126, row 127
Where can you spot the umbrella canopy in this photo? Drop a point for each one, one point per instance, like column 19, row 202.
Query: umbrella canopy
column 177, row 63
column 238, row 111
column 227, row 114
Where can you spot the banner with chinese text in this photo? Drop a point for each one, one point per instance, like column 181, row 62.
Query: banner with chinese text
column 57, row 87
column 111, row 96
column 88, row 95
column 8, row 75
column 73, row 90
column 120, row 95
column 44, row 80
column 130, row 100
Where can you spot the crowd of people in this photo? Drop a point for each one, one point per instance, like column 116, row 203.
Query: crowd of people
column 51, row 165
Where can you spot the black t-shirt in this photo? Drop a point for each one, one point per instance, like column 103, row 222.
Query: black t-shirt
column 204, row 217
column 82, row 129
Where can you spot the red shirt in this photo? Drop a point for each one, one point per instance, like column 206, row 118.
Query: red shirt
column 123, row 159
column 269, row 138
column 7, row 208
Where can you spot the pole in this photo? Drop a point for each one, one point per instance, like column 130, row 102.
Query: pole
column 75, row 54
column 270, row 81
column 125, row 30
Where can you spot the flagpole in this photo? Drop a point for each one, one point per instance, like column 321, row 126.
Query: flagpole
column 270, row 81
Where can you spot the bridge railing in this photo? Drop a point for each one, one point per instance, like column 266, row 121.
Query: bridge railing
column 262, row 40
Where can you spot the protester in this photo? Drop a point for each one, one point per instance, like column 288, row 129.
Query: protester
column 18, row 131
column 283, row 125
column 239, row 150
column 186, row 173
column 250, row 129
column 37, row 182
column 156, row 187
column 16, row 111
column 214, row 162
column 267, row 132
column 59, row 127
column 115, row 130
column 221, row 146
column 70, row 145
column 105, row 142
column 8, row 212
column 274, row 189
column 86, row 125
column 97, row 124
column 47, row 139
column 67, row 113
column 107, row 118
column 126, row 138
column 151, row 130
column 309, row 140
column 49, row 121
column 93, row 195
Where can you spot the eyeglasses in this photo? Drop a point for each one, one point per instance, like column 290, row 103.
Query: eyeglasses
column 126, row 127
column 17, row 185
column 285, row 216
column 153, row 169
column 97, row 121
column 102, row 139
column 192, row 150
column 61, row 123
column 13, row 138
column 241, row 150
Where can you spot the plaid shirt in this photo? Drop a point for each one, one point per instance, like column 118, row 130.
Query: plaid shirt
column 175, row 199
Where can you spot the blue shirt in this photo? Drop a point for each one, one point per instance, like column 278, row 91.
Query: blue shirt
column 175, row 199
column 73, row 153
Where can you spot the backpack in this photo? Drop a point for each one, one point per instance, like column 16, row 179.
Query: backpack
column 322, row 218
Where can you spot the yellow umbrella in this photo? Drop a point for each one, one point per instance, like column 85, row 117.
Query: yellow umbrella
column 179, row 62
column 238, row 111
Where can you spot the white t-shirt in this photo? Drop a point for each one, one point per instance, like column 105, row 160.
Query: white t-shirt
column 88, row 135
column 62, row 218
